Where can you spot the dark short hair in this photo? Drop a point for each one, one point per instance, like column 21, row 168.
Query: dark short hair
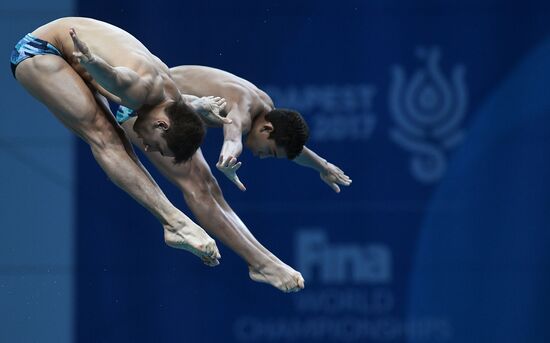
column 186, row 131
column 290, row 130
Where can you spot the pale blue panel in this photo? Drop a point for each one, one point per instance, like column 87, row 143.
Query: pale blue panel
column 36, row 306
column 36, row 198
column 38, row 8
column 36, row 207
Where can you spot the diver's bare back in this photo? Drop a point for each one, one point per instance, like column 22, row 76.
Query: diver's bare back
column 116, row 46
column 204, row 81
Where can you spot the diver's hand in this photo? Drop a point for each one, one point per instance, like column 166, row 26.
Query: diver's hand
column 334, row 176
column 81, row 50
column 229, row 166
column 210, row 107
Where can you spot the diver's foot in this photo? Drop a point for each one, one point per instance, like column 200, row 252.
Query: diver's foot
column 279, row 276
column 189, row 236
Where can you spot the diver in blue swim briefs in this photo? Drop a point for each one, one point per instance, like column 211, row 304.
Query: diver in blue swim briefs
column 73, row 65
column 266, row 131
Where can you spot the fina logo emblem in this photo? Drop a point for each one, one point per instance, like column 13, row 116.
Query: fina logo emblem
column 428, row 111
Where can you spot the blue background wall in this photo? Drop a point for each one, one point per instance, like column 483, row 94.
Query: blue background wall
column 36, row 197
column 439, row 113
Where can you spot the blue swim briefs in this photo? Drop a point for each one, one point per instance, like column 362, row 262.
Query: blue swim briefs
column 123, row 114
column 28, row 47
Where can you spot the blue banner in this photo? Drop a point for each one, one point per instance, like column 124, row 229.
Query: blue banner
column 439, row 114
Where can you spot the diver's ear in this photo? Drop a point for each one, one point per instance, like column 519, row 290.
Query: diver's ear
column 162, row 125
column 267, row 127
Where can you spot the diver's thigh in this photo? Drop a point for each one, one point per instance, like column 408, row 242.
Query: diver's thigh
column 57, row 85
